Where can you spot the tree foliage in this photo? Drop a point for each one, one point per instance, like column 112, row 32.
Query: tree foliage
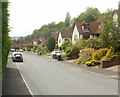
column 51, row 43
column 110, row 36
column 68, row 20
column 65, row 45
column 91, row 14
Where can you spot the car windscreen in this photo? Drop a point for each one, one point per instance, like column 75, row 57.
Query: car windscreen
column 17, row 55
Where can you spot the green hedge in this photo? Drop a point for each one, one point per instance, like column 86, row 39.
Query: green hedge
column 5, row 37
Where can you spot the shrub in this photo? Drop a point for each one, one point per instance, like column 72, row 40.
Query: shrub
column 71, row 52
column 81, row 44
column 34, row 48
column 94, row 56
column 68, row 52
column 108, row 55
column 92, row 63
column 65, row 45
column 85, row 55
column 99, row 54
column 29, row 47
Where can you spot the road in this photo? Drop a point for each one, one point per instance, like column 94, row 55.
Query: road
column 47, row 76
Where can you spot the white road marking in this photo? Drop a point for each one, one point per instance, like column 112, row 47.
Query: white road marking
column 24, row 81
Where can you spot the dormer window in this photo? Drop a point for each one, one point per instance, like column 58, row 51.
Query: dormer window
column 85, row 27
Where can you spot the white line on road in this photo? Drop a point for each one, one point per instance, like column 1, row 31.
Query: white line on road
column 24, row 81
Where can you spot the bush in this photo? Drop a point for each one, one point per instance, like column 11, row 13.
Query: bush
column 34, row 49
column 108, row 55
column 71, row 52
column 29, row 47
column 94, row 56
column 85, row 55
column 92, row 63
column 99, row 54
column 81, row 44
column 68, row 53
column 65, row 45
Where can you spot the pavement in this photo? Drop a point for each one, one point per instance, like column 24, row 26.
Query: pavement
column 13, row 83
column 112, row 72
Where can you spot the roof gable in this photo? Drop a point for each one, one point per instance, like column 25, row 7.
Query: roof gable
column 65, row 33
column 93, row 27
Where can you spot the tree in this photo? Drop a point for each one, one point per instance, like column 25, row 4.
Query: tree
column 91, row 14
column 51, row 43
column 110, row 36
column 68, row 20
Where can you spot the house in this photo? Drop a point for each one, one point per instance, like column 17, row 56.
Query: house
column 63, row 35
column 19, row 44
column 35, row 42
column 86, row 30
column 55, row 35
column 39, row 41
column 44, row 41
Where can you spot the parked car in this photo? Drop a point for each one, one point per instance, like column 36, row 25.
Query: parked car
column 17, row 57
column 12, row 50
column 57, row 54
column 21, row 50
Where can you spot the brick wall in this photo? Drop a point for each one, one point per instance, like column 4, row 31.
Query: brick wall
column 114, row 61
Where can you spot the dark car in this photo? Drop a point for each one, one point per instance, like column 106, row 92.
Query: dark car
column 17, row 57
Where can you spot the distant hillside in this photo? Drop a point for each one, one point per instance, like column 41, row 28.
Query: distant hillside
column 15, row 38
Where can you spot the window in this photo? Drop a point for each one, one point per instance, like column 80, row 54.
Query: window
column 85, row 27
column 75, row 37
column 59, row 40
column 86, row 36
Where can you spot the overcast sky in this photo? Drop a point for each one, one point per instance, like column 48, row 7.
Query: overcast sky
column 27, row 15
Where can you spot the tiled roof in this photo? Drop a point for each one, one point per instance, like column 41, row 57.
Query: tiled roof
column 56, row 35
column 65, row 33
column 19, row 44
column 93, row 27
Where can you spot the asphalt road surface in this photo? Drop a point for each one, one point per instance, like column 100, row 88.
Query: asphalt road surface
column 47, row 76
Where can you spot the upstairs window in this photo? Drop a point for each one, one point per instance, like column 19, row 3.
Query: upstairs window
column 85, row 27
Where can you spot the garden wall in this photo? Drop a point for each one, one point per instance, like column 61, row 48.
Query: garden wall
column 114, row 61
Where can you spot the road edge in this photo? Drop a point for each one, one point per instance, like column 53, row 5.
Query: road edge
column 24, row 81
